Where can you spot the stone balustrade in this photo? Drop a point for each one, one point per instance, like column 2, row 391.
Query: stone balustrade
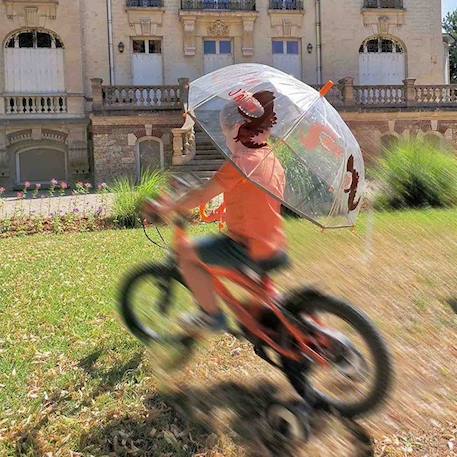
column 378, row 96
column 347, row 96
column 441, row 96
column 140, row 97
column 35, row 104
column 184, row 144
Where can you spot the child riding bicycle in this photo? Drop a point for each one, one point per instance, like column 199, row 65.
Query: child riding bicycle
column 255, row 235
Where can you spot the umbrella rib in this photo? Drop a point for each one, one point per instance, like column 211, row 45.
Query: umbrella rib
column 301, row 118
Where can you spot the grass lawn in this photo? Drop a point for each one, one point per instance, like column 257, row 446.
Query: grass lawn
column 74, row 382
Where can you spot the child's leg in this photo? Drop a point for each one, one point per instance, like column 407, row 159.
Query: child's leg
column 198, row 280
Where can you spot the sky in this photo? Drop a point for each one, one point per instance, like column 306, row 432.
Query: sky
column 449, row 5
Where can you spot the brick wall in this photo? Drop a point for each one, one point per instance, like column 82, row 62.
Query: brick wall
column 116, row 138
column 372, row 128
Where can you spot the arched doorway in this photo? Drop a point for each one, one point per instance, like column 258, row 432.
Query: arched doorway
column 382, row 61
column 41, row 164
column 34, row 63
column 149, row 155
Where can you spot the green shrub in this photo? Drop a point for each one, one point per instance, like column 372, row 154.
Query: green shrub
column 129, row 197
column 417, row 174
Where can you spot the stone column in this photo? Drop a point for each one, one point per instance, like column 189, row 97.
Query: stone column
column 248, row 37
column 184, row 91
column 347, row 85
column 97, row 94
column 78, row 154
column 4, row 162
column 189, row 36
column 410, row 91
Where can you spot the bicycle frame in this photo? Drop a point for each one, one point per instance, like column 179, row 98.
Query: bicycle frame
column 263, row 294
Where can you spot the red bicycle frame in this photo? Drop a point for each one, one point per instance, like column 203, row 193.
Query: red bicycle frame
column 263, row 294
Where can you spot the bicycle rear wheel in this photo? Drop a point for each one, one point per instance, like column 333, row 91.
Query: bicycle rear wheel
column 359, row 374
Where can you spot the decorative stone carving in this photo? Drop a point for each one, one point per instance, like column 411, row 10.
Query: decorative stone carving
column 54, row 135
column 230, row 24
column 248, row 37
column 286, row 24
column 20, row 135
column 145, row 23
column 31, row 13
column 383, row 21
column 383, row 25
column 189, row 36
column 218, row 28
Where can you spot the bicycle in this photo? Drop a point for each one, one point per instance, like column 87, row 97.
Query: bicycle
column 288, row 331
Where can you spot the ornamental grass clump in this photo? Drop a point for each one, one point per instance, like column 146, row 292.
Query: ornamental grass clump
column 417, row 174
column 129, row 196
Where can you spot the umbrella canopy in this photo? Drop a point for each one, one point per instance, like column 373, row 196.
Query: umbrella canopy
column 275, row 128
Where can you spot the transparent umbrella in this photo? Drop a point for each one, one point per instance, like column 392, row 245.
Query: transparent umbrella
column 269, row 124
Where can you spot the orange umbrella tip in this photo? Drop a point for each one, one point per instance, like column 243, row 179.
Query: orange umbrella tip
column 327, row 88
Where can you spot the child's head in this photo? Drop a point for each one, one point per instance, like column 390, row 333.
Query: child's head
column 236, row 121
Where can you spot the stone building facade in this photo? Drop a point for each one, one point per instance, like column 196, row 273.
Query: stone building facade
column 53, row 50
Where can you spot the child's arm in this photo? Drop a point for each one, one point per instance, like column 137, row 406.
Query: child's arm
column 186, row 203
column 197, row 197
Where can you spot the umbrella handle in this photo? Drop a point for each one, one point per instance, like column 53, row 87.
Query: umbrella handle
column 327, row 88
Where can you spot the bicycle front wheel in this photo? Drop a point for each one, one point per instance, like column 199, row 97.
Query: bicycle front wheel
column 152, row 298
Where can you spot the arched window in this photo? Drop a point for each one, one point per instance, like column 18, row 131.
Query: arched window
column 382, row 61
column 380, row 45
column 34, row 62
column 34, row 39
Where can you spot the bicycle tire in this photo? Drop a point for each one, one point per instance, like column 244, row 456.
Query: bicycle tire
column 312, row 301
column 165, row 274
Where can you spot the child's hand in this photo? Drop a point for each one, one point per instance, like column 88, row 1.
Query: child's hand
column 157, row 210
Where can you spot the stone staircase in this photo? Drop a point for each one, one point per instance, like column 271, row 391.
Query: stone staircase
column 207, row 159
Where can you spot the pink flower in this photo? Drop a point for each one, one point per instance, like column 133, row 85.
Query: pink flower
column 63, row 185
column 54, row 182
column 88, row 185
column 102, row 186
column 2, row 190
column 20, row 195
column 79, row 184
column 37, row 186
column 27, row 184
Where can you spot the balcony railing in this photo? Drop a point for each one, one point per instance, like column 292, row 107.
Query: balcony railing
column 141, row 97
column 378, row 96
column 36, row 104
column 396, row 4
column 144, row 3
column 286, row 5
column 228, row 5
column 442, row 95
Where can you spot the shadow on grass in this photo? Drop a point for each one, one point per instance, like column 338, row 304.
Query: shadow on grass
column 109, row 378
column 185, row 424
column 28, row 443
column 452, row 302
